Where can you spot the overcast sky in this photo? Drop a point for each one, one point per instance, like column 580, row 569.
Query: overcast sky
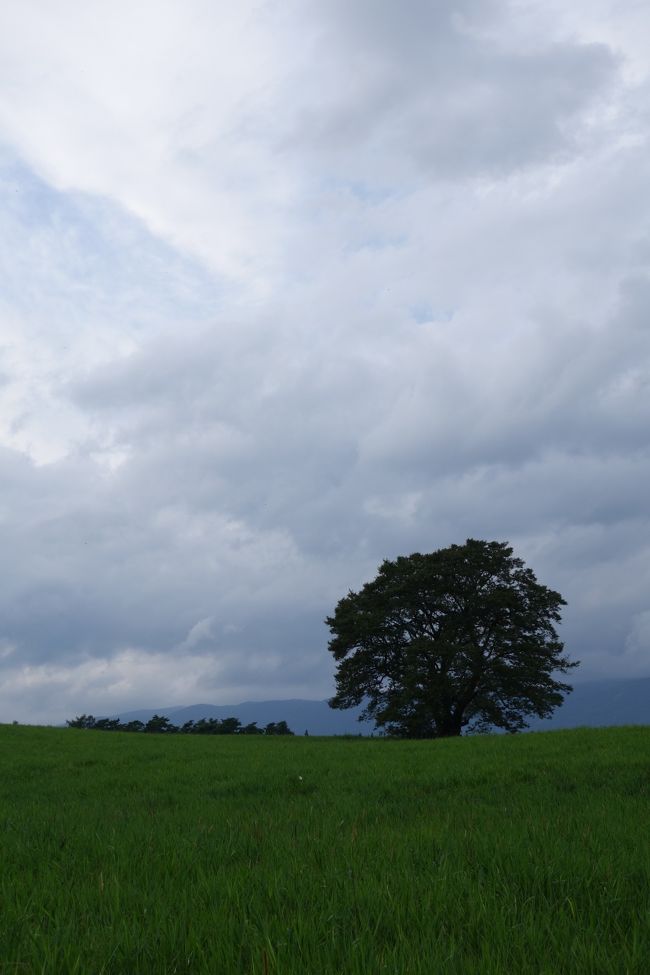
column 290, row 287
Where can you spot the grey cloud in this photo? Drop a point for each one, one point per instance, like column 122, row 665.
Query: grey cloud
column 111, row 565
column 544, row 447
column 436, row 90
column 558, row 385
column 514, row 111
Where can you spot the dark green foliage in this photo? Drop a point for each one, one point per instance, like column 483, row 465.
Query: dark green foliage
column 82, row 721
column 462, row 638
column 206, row 726
column 106, row 724
column 131, row 726
column 159, row 724
column 251, row 729
column 229, row 726
column 277, row 728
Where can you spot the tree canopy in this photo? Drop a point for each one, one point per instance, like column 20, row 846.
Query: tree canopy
column 461, row 638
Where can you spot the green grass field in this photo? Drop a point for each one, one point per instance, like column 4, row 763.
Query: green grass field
column 150, row 854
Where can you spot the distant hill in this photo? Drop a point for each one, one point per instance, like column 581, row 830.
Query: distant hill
column 601, row 703
column 595, row 703
column 316, row 717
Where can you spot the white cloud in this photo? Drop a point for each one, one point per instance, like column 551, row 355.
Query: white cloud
column 148, row 105
column 202, row 631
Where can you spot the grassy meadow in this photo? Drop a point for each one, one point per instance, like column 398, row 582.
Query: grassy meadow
column 148, row 854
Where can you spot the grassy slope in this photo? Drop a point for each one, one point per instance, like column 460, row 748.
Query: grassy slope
column 139, row 854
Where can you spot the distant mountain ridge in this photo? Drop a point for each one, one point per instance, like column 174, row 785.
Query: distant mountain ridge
column 315, row 717
column 596, row 703
column 602, row 703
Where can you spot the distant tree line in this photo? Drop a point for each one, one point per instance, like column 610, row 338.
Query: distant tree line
column 161, row 725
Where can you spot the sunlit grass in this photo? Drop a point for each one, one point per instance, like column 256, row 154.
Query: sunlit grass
column 152, row 854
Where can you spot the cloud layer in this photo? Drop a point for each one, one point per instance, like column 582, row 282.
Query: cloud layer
column 292, row 289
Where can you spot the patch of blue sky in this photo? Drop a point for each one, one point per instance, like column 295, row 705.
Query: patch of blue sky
column 423, row 312
column 68, row 248
column 377, row 242
column 373, row 194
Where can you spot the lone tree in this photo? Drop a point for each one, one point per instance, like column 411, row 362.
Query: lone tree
column 461, row 638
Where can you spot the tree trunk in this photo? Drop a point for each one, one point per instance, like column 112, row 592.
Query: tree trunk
column 451, row 726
